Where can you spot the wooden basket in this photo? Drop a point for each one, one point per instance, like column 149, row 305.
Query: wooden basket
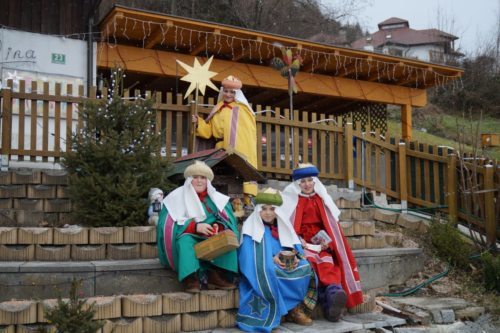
column 216, row 245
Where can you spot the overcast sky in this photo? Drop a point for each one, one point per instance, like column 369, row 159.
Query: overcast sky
column 473, row 21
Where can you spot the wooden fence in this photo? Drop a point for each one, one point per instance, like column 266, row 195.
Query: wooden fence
column 37, row 126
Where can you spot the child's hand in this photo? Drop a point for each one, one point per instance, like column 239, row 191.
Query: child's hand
column 204, row 229
column 295, row 262
column 278, row 261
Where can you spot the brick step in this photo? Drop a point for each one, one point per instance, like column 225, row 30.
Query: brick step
column 378, row 268
column 176, row 312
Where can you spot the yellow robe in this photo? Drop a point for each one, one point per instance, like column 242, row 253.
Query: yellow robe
column 234, row 127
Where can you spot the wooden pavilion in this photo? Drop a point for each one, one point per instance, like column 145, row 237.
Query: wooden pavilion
column 332, row 81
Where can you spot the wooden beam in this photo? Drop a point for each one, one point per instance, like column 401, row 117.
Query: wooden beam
column 158, row 35
column 162, row 63
column 406, row 121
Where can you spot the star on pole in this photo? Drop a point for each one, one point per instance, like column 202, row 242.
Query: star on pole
column 199, row 76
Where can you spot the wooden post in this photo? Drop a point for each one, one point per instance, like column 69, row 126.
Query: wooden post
column 489, row 205
column 406, row 122
column 6, row 127
column 349, row 164
column 451, row 187
column 402, row 176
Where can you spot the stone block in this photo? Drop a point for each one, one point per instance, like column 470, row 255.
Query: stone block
column 7, row 329
column 44, row 305
column 71, row 235
column 62, row 192
column 55, row 177
column 51, row 220
column 141, row 305
column 7, row 217
column 17, row 252
column 66, row 218
column 199, row 321
column 347, row 228
column 6, row 203
column 368, row 305
column 13, row 191
column 470, row 313
column 35, row 328
column 364, row 228
column 361, row 214
column 88, row 252
column 385, row 216
column 107, row 328
column 357, row 242
column 376, row 241
column 145, row 234
column 34, row 236
column 162, row 324
column 424, row 226
column 52, row 253
column 5, row 178
column 106, row 235
column 226, row 318
column 41, row 192
column 17, row 312
column 180, row 302
column 29, row 218
column 216, row 300
column 345, row 214
column 124, row 251
column 149, row 251
column 408, row 221
column 128, row 326
column 448, row 316
column 347, row 203
column 57, row 205
column 8, row 235
column 29, row 204
column 106, row 307
column 26, row 177
column 393, row 238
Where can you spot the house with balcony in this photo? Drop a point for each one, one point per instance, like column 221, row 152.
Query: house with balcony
column 395, row 37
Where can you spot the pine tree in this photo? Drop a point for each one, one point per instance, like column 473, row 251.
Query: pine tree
column 73, row 315
column 115, row 160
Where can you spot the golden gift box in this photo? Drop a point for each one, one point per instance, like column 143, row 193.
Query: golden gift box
column 216, row 245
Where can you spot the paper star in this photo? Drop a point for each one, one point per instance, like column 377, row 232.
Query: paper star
column 14, row 77
column 198, row 75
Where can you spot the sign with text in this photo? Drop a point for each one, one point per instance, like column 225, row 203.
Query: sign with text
column 58, row 58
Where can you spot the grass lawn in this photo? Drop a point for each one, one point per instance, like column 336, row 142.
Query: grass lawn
column 446, row 125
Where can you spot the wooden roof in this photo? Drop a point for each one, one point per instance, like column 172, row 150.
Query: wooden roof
column 148, row 43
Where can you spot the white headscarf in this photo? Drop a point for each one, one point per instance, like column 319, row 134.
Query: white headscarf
column 254, row 227
column 238, row 97
column 292, row 192
column 183, row 203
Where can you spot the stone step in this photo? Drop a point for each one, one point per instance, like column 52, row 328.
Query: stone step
column 378, row 268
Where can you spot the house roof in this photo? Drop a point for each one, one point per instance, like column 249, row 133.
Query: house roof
column 213, row 157
column 393, row 20
column 403, row 36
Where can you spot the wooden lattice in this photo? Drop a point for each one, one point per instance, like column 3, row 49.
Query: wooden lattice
column 367, row 113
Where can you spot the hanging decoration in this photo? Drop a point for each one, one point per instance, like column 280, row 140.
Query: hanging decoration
column 288, row 65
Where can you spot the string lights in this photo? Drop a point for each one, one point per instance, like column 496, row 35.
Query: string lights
column 344, row 65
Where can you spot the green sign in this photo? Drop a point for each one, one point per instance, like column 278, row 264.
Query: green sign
column 58, row 58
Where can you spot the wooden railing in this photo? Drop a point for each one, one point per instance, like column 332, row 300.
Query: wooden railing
column 39, row 126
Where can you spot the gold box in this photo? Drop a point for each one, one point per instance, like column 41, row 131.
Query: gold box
column 216, row 245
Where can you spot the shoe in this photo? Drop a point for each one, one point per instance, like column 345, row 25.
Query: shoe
column 191, row 284
column 297, row 316
column 216, row 281
column 336, row 302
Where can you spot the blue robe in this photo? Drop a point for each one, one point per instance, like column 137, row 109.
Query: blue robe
column 267, row 292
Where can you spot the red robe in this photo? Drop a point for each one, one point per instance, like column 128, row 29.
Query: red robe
column 335, row 265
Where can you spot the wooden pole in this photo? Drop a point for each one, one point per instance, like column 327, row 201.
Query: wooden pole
column 349, row 164
column 402, row 176
column 6, row 126
column 451, row 187
column 192, row 128
column 489, row 206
